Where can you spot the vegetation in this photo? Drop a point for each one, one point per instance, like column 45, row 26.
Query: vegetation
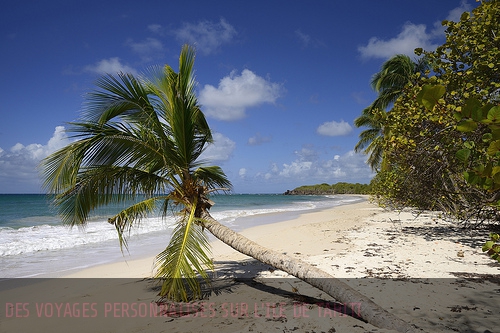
column 141, row 138
column 492, row 247
column 441, row 135
column 389, row 83
column 338, row 188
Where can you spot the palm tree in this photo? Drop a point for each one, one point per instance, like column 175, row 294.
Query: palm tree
column 389, row 83
column 141, row 139
column 370, row 140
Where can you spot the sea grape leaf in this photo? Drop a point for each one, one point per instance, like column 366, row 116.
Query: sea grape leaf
column 494, row 113
column 430, row 95
column 495, row 134
column 463, row 155
column 466, row 125
column 487, row 137
column 493, row 148
column 472, row 108
column 488, row 245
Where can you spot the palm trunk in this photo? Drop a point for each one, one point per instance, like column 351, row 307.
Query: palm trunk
column 343, row 293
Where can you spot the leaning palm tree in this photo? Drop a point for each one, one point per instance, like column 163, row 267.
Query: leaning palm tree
column 395, row 74
column 141, row 139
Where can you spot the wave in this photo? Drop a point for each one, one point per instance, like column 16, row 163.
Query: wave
column 46, row 237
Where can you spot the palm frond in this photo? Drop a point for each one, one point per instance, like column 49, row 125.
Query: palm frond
column 184, row 260
column 124, row 220
column 366, row 138
column 390, row 82
column 121, row 95
column 99, row 186
column 213, row 177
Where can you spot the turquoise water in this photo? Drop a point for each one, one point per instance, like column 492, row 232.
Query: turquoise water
column 34, row 242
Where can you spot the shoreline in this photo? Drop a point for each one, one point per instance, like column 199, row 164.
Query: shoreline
column 419, row 268
column 267, row 223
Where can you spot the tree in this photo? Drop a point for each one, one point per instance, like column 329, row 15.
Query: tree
column 395, row 74
column 441, row 133
column 142, row 139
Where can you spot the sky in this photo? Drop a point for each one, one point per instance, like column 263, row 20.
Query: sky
column 280, row 82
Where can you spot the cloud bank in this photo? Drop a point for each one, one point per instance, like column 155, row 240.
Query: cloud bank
column 410, row 37
column 236, row 93
column 18, row 165
column 333, row 128
column 220, row 150
column 309, row 168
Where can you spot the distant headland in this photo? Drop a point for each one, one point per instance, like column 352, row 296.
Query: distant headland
column 325, row 189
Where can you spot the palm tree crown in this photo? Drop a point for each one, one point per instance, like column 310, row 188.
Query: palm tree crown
column 389, row 83
column 141, row 139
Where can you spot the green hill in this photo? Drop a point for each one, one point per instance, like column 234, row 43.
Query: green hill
column 338, row 188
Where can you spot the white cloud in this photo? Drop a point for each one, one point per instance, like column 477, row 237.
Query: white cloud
column 296, row 169
column 110, row 66
column 307, row 154
column 455, row 14
column 333, row 128
column 18, row 165
column 156, row 28
column 206, row 36
column 258, row 139
column 237, row 93
column 303, row 38
column 147, row 49
column 412, row 36
column 310, row 168
column 220, row 150
column 242, row 172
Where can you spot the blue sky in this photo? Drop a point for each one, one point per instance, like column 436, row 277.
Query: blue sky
column 280, row 82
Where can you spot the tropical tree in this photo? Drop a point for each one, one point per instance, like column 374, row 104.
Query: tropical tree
column 395, row 74
column 444, row 130
column 141, row 139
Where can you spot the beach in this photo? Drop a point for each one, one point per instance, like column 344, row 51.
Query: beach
column 421, row 268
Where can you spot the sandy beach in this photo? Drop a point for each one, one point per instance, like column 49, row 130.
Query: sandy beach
column 421, row 268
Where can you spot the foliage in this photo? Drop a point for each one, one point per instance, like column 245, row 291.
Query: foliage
column 492, row 247
column 140, row 138
column 338, row 188
column 441, row 134
column 389, row 83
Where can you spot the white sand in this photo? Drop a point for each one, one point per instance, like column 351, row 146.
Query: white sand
column 431, row 264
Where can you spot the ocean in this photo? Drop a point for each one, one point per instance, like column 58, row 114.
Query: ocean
column 35, row 243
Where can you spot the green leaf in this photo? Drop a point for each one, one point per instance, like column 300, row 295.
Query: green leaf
column 488, row 169
column 466, row 125
column 430, row 95
column 495, row 134
column 466, row 176
column 458, row 116
column 469, row 144
column 494, row 113
column 495, row 170
column 186, row 257
column 488, row 245
column 463, row 155
column 471, row 105
column 487, row 137
column 493, row 148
